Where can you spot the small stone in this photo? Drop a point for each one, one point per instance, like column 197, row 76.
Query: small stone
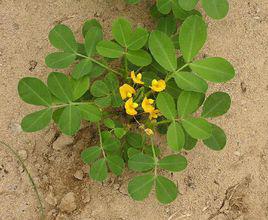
column 68, row 203
column 79, row 174
column 23, row 154
column 237, row 153
column 62, row 217
column 116, row 186
column 51, row 199
column 167, row 210
column 15, row 127
column 62, row 141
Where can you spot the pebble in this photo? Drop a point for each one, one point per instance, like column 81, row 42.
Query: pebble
column 62, row 141
column 68, row 203
column 23, row 154
column 237, row 153
column 51, row 199
column 79, row 174
column 62, row 217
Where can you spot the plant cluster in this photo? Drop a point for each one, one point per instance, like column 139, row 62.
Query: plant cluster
column 154, row 87
column 181, row 9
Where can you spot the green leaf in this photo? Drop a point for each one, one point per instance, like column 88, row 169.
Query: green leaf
column 69, row 121
column 166, row 190
column 141, row 162
column 60, row 86
column 192, row 37
column 109, row 123
column 139, row 57
column 60, row 60
column 103, row 102
column 173, row 163
column 99, row 89
column 63, row 38
column 197, row 128
column 164, row 6
column 172, row 89
column 214, row 69
column 82, row 69
column 111, row 144
column 165, row 103
column 148, row 150
column 90, row 112
column 147, row 77
column 88, row 25
column 96, row 71
column 98, row 170
column 80, row 87
column 132, row 151
column 109, row 49
column 216, row 9
column 116, row 164
column 121, row 30
column 140, row 187
column 119, row 132
column 56, row 115
column 134, row 139
column 37, row 120
column 34, row 91
column 167, row 25
column 188, row 5
column 175, row 136
column 189, row 142
column 91, row 154
column 180, row 13
column 138, row 39
column 189, row 102
column 190, row 82
column 93, row 36
column 132, row 1
column 217, row 141
column 216, row 104
column 163, row 51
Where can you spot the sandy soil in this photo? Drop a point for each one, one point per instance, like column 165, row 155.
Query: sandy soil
column 232, row 184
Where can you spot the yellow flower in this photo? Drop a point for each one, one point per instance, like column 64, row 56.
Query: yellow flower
column 130, row 107
column 126, row 91
column 154, row 114
column 136, row 79
column 158, row 85
column 147, row 105
column 149, row 131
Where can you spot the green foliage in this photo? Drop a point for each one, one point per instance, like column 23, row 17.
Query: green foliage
column 164, row 92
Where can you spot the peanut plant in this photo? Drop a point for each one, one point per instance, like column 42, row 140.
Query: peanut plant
column 131, row 87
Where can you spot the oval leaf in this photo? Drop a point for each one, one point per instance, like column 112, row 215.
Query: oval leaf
column 139, row 57
column 89, row 24
column 164, row 6
column 166, row 104
column 60, row 60
column 37, row 120
column 93, row 36
column 216, row 104
column 98, row 170
column 82, row 69
column 34, row 91
column 216, row 9
column 121, row 30
column 192, row 36
column 140, row 187
column 214, row 69
column 163, row 50
column 197, row 128
column 90, row 112
column 69, row 121
column 134, row 139
column 141, row 162
column 109, row 49
column 91, row 154
column 188, row 5
column 167, row 25
column 63, row 38
column 99, row 89
column 138, row 39
column 189, row 102
column 166, row 190
column 175, row 136
column 217, row 141
column 190, row 82
column 173, row 163
column 116, row 164
column 60, row 86
column 80, row 87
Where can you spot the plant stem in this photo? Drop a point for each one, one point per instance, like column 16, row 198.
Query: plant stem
column 99, row 63
column 169, row 76
column 163, row 122
column 41, row 208
column 126, row 66
column 72, row 103
column 155, row 157
column 101, row 144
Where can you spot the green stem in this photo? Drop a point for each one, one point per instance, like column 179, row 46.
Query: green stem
column 169, row 76
column 126, row 66
column 99, row 63
column 101, row 144
column 155, row 157
column 163, row 122
column 29, row 176
column 72, row 103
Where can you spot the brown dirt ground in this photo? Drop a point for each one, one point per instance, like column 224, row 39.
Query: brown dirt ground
column 231, row 184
